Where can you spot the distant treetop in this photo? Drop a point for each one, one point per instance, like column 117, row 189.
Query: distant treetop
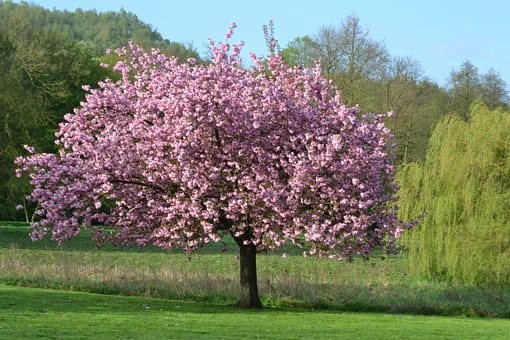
column 97, row 30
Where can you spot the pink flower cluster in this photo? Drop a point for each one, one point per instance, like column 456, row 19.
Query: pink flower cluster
column 179, row 155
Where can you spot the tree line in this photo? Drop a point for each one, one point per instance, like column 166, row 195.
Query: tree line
column 370, row 76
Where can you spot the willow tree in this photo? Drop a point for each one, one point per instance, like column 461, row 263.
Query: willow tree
column 464, row 189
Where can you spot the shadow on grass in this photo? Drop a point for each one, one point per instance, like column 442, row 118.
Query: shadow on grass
column 40, row 300
column 30, row 313
column 37, row 300
column 18, row 234
column 98, row 300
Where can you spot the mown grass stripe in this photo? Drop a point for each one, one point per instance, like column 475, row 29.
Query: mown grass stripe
column 28, row 313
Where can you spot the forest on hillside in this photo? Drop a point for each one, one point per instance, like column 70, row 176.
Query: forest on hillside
column 47, row 55
column 45, row 58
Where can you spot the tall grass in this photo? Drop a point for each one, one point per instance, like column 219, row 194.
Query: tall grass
column 464, row 188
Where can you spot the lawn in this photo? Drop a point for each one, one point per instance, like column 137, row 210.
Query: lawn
column 28, row 313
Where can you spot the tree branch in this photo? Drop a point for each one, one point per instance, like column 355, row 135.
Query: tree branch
column 140, row 183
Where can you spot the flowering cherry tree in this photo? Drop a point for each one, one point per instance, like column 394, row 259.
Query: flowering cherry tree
column 181, row 155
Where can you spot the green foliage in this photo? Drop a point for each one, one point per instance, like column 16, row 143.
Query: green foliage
column 96, row 31
column 464, row 188
column 417, row 107
column 301, row 51
column 40, row 80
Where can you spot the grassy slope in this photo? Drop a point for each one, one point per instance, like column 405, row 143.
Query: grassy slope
column 27, row 313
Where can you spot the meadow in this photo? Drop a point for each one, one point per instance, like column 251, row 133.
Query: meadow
column 111, row 286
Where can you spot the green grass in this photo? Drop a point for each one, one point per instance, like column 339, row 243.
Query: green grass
column 212, row 276
column 28, row 313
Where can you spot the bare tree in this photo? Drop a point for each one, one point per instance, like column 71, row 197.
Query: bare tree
column 328, row 49
column 493, row 90
column 464, row 88
column 350, row 57
column 402, row 94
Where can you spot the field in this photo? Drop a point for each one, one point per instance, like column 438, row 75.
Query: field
column 169, row 295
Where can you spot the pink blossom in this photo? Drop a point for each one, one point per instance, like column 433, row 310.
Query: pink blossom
column 230, row 32
column 29, row 148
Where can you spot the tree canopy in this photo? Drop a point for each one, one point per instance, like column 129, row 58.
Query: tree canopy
column 98, row 31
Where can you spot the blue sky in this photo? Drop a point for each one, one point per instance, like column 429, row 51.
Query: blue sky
column 441, row 35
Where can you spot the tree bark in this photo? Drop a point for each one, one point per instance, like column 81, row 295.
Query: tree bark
column 249, row 297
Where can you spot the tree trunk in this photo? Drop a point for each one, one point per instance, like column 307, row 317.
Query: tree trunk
column 248, row 263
